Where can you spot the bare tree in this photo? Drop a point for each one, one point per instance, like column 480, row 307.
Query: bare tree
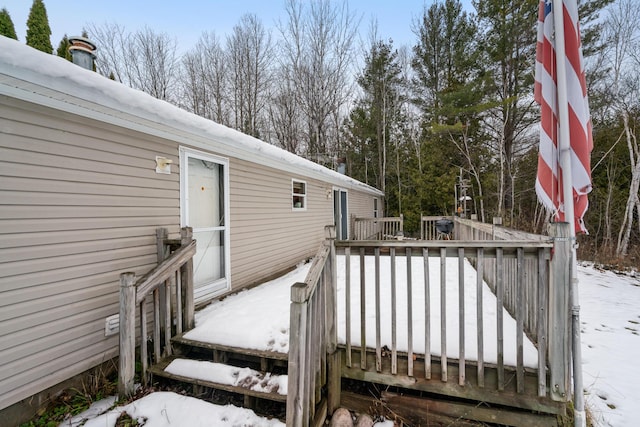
column 623, row 57
column 317, row 47
column 284, row 114
column 249, row 57
column 144, row 60
column 113, row 42
column 155, row 63
column 204, row 83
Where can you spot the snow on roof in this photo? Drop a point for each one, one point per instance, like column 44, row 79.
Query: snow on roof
column 34, row 76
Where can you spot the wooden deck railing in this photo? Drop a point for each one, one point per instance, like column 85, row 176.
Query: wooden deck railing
column 535, row 291
column 527, row 280
column 422, row 251
column 429, row 229
column 314, row 366
column 168, row 291
column 388, row 228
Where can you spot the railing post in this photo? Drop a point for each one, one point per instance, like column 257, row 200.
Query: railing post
column 333, row 356
column 297, row 401
column 186, row 276
column 126, row 371
column 559, row 338
column 161, row 235
column 497, row 220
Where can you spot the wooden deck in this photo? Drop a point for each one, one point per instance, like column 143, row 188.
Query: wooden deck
column 470, row 390
column 457, row 385
column 526, row 281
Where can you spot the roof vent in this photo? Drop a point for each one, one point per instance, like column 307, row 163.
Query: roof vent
column 82, row 52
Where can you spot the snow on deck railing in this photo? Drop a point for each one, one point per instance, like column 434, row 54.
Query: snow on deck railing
column 173, row 275
column 314, row 364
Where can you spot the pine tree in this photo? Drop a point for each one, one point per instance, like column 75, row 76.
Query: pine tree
column 6, row 25
column 509, row 34
column 374, row 114
column 38, row 30
column 63, row 48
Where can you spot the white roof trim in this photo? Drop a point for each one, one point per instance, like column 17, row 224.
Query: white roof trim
column 33, row 76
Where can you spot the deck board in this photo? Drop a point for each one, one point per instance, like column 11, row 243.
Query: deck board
column 158, row 370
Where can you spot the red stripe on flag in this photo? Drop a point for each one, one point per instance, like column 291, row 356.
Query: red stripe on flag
column 549, row 178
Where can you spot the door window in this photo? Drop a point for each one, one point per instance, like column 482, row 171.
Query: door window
column 205, row 209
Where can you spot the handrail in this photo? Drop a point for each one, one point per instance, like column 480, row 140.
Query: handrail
column 168, row 289
column 162, row 272
column 527, row 280
column 387, row 228
column 497, row 231
column 301, row 292
column 314, row 363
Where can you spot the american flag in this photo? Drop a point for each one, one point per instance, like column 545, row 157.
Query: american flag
column 549, row 178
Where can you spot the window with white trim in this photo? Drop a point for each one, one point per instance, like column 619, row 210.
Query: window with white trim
column 299, row 195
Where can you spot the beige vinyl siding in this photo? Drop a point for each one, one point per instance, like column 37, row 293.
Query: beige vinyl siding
column 267, row 235
column 359, row 205
column 79, row 204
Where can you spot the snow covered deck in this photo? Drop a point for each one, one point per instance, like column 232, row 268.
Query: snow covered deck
column 418, row 315
column 259, row 318
column 478, row 319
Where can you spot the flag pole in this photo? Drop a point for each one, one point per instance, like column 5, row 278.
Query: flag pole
column 564, row 145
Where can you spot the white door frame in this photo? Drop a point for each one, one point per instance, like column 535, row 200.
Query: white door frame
column 218, row 286
column 343, row 210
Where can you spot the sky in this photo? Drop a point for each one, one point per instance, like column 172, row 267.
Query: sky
column 188, row 19
column 610, row 318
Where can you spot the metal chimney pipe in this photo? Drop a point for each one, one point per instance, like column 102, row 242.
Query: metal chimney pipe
column 81, row 50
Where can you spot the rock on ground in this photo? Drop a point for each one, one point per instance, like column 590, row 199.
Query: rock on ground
column 341, row 418
column 364, row 420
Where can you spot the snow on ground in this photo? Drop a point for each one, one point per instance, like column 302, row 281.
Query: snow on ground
column 610, row 318
column 610, row 315
column 164, row 409
column 96, row 409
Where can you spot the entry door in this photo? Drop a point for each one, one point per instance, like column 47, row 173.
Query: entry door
column 340, row 214
column 204, row 185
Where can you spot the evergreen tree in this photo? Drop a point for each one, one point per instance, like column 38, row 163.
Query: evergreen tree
column 509, row 47
column 6, row 25
column 449, row 92
column 38, row 30
column 372, row 118
column 444, row 56
column 63, row 48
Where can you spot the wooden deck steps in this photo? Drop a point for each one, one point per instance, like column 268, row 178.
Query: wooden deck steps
column 256, row 386
column 257, row 359
column 250, row 378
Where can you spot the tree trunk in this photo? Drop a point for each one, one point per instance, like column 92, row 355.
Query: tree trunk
column 633, row 202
